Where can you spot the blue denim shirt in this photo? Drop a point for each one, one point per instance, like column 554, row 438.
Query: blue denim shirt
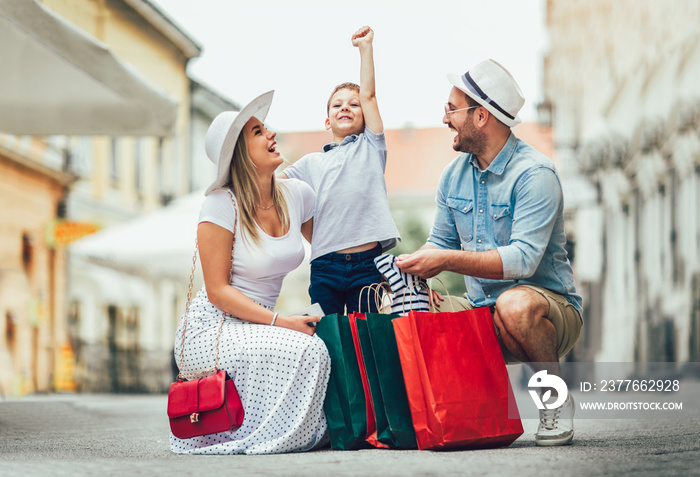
column 514, row 206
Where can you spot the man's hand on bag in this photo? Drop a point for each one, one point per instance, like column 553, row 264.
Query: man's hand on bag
column 424, row 263
column 303, row 323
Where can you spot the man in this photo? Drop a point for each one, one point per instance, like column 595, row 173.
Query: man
column 499, row 222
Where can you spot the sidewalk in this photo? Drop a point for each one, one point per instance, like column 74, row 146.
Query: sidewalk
column 106, row 435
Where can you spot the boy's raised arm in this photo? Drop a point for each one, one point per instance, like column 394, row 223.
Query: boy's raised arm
column 363, row 40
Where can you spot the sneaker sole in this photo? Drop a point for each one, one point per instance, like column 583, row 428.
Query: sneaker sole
column 555, row 442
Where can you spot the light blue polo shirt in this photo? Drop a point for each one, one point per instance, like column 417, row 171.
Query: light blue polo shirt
column 352, row 207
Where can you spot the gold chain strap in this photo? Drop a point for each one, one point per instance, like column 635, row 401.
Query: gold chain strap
column 181, row 376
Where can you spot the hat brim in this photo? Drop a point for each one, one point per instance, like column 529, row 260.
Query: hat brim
column 457, row 82
column 258, row 107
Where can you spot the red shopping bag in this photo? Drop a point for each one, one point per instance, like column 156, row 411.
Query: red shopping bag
column 371, row 420
column 456, row 380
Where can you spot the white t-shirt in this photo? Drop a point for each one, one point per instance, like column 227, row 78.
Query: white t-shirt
column 352, row 207
column 258, row 270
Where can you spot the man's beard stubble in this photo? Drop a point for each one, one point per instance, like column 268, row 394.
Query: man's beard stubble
column 469, row 139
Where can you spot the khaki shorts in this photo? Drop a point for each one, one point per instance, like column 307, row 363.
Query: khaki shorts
column 565, row 318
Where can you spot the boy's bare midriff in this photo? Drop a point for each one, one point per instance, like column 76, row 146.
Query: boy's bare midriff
column 359, row 248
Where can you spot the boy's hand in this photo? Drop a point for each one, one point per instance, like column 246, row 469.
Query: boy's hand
column 364, row 35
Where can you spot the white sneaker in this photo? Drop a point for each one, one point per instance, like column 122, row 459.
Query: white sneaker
column 556, row 425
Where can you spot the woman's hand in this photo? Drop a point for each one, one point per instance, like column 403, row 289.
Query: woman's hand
column 298, row 323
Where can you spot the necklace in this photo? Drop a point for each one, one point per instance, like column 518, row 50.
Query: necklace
column 265, row 208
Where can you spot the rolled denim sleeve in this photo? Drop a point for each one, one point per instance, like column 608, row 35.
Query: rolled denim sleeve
column 538, row 201
column 444, row 233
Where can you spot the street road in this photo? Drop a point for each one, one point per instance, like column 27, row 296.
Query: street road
column 114, row 435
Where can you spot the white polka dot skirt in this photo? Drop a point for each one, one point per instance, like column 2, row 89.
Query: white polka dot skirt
column 281, row 376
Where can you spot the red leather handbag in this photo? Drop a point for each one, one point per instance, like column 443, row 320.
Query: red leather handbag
column 205, row 405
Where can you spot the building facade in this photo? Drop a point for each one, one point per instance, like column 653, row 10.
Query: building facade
column 71, row 322
column 32, row 274
column 621, row 88
column 130, row 281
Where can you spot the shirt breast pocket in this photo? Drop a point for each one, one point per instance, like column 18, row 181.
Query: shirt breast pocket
column 502, row 223
column 463, row 216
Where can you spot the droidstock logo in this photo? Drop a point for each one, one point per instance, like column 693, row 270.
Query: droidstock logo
column 543, row 380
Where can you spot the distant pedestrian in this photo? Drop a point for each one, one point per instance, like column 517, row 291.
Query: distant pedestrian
column 500, row 223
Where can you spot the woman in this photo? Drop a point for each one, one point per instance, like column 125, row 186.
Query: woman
column 279, row 368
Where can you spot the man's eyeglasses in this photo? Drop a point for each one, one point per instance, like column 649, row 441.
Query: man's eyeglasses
column 449, row 111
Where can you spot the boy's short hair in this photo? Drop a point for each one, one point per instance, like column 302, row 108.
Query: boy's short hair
column 348, row 85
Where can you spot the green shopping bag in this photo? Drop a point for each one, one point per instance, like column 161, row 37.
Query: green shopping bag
column 345, row 405
column 391, row 408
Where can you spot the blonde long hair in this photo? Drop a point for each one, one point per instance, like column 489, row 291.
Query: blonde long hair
column 244, row 185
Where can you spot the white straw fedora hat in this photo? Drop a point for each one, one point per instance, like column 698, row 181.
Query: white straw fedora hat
column 493, row 87
column 224, row 131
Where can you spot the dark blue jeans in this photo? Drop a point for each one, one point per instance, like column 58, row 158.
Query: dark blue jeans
column 338, row 278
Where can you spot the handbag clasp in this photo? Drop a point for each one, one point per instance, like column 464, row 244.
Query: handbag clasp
column 194, row 417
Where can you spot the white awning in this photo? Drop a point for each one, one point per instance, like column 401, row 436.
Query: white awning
column 108, row 286
column 58, row 80
column 155, row 244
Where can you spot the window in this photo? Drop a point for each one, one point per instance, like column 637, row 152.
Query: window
column 114, row 162
column 27, row 253
column 138, row 165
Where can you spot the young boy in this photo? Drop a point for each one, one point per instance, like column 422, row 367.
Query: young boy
column 352, row 224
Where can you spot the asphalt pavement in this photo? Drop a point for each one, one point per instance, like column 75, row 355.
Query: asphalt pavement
column 120, row 435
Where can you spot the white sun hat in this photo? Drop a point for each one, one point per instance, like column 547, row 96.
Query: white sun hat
column 224, row 131
column 492, row 86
